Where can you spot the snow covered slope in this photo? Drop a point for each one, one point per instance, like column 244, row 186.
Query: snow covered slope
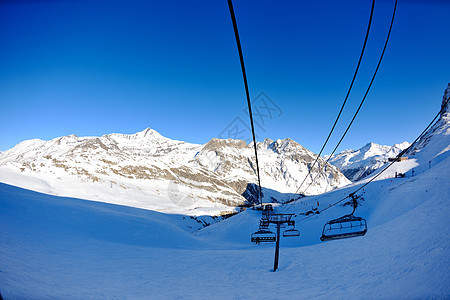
column 147, row 170
column 54, row 247
column 358, row 164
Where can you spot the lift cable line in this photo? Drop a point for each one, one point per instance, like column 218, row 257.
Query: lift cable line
column 241, row 58
column 351, row 195
column 362, row 101
column 346, row 97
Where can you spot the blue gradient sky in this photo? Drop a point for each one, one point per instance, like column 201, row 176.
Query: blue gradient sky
column 97, row 67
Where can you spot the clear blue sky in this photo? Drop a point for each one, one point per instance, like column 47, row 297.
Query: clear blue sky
column 97, row 67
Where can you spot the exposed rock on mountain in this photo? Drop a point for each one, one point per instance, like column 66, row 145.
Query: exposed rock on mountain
column 151, row 171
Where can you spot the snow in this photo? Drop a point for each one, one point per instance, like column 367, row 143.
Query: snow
column 54, row 247
column 358, row 164
column 147, row 170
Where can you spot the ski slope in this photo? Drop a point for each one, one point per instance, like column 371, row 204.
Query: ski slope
column 65, row 248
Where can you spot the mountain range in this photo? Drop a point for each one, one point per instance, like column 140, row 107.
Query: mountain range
column 358, row 164
column 148, row 170
column 58, row 247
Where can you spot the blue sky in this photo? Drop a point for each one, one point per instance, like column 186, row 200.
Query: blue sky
column 97, row 67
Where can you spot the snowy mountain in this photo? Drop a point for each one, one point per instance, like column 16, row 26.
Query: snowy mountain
column 147, row 170
column 56, row 247
column 283, row 166
column 434, row 146
column 358, row 164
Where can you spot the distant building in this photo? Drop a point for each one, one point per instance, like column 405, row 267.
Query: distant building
column 397, row 159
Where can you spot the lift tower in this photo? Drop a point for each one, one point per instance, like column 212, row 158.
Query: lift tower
column 280, row 219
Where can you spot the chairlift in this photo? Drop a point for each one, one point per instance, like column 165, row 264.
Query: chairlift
column 265, row 207
column 291, row 233
column 264, row 223
column 345, row 227
column 268, row 207
column 263, row 236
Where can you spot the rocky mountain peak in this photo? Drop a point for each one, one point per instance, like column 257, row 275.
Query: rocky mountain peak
column 266, row 143
column 150, row 166
column 285, row 145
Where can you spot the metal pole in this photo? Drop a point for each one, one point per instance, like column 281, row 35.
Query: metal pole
column 277, row 247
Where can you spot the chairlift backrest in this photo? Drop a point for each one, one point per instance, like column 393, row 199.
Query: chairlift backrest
column 345, row 227
column 263, row 236
column 291, row 233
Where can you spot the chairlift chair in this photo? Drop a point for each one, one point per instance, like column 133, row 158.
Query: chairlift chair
column 264, row 223
column 291, row 233
column 263, row 236
column 345, row 227
column 268, row 207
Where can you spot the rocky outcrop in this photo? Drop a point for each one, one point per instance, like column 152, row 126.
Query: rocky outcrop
column 221, row 171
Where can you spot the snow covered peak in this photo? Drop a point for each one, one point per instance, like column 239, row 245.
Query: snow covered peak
column 285, row 145
column 403, row 145
column 147, row 133
column 373, row 149
column 369, row 146
column 357, row 164
column 27, row 145
column 266, row 143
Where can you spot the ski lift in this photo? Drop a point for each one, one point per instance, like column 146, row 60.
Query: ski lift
column 291, row 233
column 345, row 227
column 263, row 236
column 264, row 223
column 267, row 209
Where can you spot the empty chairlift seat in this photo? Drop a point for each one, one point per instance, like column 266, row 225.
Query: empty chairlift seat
column 344, row 227
column 263, row 236
column 291, row 233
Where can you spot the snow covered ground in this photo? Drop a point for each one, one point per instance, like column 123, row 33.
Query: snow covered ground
column 64, row 248
column 53, row 247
